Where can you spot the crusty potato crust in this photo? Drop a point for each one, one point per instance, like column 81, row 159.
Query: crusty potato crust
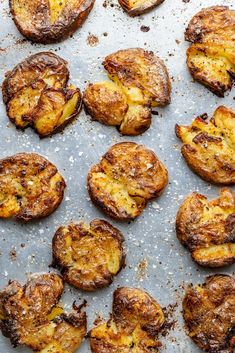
column 30, row 187
column 73, row 253
column 209, row 146
column 140, row 81
column 36, row 94
column 134, row 325
column 138, row 7
column 209, row 314
column 126, row 178
column 207, row 228
column 31, row 317
column 49, row 21
column 211, row 57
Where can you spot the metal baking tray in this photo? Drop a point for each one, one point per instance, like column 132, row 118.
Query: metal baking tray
column 156, row 261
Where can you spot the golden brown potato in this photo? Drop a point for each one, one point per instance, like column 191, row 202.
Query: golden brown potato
column 138, row 7
column 126, row 178
column 211, row 57
column 209, row 146
column 73, row 253
column 49, row 21
column 30, row 316
column 209, row 314
column 30, row 187
column 134, row 325
column 207, row 228
column 36, row 94
column 140, row 81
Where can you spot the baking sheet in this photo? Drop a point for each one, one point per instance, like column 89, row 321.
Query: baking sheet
column 156, row 261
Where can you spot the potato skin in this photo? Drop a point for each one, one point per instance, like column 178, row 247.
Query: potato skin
column 31, row 187
column 209, row 146
column 210, row 225
column 106, row 103
column 211, row 57
column 28, row 318
column 124, row 67
column 79, row 265
column 138, row 9
column 140, row 81
column 36, row 94
column 208, row 312
column 34, row 21
column 126, row 178
column 136, row 321
column 32, row 69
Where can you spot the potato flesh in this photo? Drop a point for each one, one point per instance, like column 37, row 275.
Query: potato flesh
column 56, row 8
column 54, row 111
column 138, row 7
column 209, row 146
column 211, row 57
column 35, row 328
column 213, row 255
column 212, row 65
column 27, row 196
column 127, row 331
column 139, row 81
column 208, row 311
column 22, row 105
column 79, row 254
column 206, row 228
column 115, row 190
column 41, row 98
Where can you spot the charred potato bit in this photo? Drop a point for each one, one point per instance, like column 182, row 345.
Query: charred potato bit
column 209, row 146
column 126, row 178
column 49, row 21
column 81, row 265
column 140, row 81
column 209, row 314
column 138, row 7
column 211, row 56
column 134, row 326
column 36, row 94
column 207, row 228
column 30, row 187
column 30, row 316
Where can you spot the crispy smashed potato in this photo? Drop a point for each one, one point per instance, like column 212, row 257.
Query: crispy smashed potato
column 81, row 265
column 30, row 316
column 211, row 56
column 207, row 228
column 138, row 7
column 139, row 81
column 30, row 187
column 135, row 323
column 49, row 21
column 126, row 178
column 36, row 94
column 209, row 146
column 209, row 313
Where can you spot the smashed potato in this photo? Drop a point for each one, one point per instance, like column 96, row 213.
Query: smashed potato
column 209, row 313
column 139, row 81
column 207, row 228
column 126, row 178
column 211, row 56
column 81, row 266
column 209, row 146
column 30, row 187
column 36, row 94
column 30, row 316
column 133, row 327
column 49, row 21
column 138, row 7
